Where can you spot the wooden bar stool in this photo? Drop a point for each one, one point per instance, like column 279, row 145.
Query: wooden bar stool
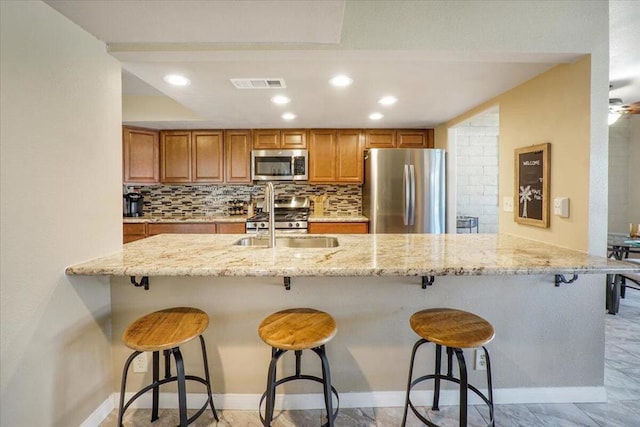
column 165, row 331
column 298, row 329
column 455, row 330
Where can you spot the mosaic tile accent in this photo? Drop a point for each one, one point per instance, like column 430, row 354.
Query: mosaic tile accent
column 215, row 200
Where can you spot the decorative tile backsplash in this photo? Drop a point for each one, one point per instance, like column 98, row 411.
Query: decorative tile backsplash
column 214, row 200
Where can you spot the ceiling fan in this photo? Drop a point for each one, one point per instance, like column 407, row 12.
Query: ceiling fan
column 617, row 106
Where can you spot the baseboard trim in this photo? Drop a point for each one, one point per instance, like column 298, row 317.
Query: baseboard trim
column 376, row 399
column 100, row 413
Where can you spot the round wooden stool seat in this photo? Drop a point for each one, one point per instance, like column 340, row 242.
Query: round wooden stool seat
column 165, row 329
column 297, row 329
column 452, row 328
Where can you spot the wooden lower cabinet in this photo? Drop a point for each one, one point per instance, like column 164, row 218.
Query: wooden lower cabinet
column 133, row 232
column 164, row 228
column 137, row 231
column 231, row 228
column 338, row 227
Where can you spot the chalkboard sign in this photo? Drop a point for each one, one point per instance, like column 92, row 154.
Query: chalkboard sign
column 532, row 185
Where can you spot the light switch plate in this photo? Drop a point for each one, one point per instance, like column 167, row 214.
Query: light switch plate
column 507, row 204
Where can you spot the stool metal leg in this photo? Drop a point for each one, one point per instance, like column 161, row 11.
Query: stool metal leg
column 271, row 386
column 463, row 387
column 326, row 377
column 436, row 381
column 407, row 401
column 182, row 389
column 156, row 390
column 489, row 385
column 207, row 377
column 124, row 384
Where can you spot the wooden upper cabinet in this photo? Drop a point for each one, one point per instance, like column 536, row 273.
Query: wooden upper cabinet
column 276, row 138
column 237, row 149
column 294, row 139
column 140, row 154
column 266, row 139
column 349, row 159
column 207, row 156
column 335, row 155
column 175, row 156
column 380, row 138
column 414, row 138
column 322, row 155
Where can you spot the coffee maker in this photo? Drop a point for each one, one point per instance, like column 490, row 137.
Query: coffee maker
column 132, row 204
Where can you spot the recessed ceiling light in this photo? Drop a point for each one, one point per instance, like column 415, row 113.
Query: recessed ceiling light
column 280, row 100
column 288, row 116
column 388, row 100
column 341, row 81
column 176, row 80
column 375, row 116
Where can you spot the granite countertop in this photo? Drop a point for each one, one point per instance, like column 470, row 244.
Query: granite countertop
column 184, row 219
column 357, row 255
column 338, row 218
column 232, row 218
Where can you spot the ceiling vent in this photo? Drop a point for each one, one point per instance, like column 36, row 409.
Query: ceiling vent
column 258, row 83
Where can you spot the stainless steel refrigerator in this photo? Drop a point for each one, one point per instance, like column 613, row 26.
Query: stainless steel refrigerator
column 404, row 190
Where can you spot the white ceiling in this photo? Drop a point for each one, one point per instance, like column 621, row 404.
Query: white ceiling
column 213, row 41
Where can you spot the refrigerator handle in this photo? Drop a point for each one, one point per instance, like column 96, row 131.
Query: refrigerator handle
column 412, row 200
column 406, row 183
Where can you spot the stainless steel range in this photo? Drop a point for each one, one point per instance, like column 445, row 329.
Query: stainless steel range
column 291, row 216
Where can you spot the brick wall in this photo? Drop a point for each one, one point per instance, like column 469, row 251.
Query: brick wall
column 477, row 171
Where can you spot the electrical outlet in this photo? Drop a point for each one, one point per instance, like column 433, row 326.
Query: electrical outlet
column 481, row 361
column 140, row 363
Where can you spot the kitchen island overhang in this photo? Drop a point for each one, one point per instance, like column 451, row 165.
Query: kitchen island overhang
column 357, row 255
column 549, row 344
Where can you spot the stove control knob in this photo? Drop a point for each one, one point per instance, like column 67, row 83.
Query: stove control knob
column 298, row 224
column 262, row 225
column 290, row 225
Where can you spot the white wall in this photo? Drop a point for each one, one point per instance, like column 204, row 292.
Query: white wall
column 477, row 170
column 60, row 185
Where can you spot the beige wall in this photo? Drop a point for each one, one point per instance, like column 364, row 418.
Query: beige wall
column 61, row 163
column 553, row 107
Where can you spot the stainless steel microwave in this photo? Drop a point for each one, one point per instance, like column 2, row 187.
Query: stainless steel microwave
column 279, row 165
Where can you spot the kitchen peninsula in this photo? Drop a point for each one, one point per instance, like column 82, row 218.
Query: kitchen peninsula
column 371, row 285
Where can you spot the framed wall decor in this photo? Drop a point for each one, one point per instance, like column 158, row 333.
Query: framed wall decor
column 532, row 185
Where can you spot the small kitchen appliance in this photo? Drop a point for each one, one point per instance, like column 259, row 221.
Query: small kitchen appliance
column 291, row 214
column 133, row 203
column 279, row 165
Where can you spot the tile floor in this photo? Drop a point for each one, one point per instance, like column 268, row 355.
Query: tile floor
column 622, row 382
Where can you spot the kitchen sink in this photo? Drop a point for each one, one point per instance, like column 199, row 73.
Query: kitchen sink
column 290, row 242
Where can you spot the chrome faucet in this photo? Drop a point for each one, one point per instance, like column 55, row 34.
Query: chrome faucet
column 269, row 206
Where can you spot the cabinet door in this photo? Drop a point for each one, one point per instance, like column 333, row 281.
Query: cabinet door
column 207, row 156
column 266, row 138
column 349, row 159
column 140, row 161
column 133, row 232
column 231, row 228
column 175, row 155
column 412, row 138
column 237, row 145
column 379, row 138
column 168, row 227
column 338, row 227
column 322, row 155
column 294, row 139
